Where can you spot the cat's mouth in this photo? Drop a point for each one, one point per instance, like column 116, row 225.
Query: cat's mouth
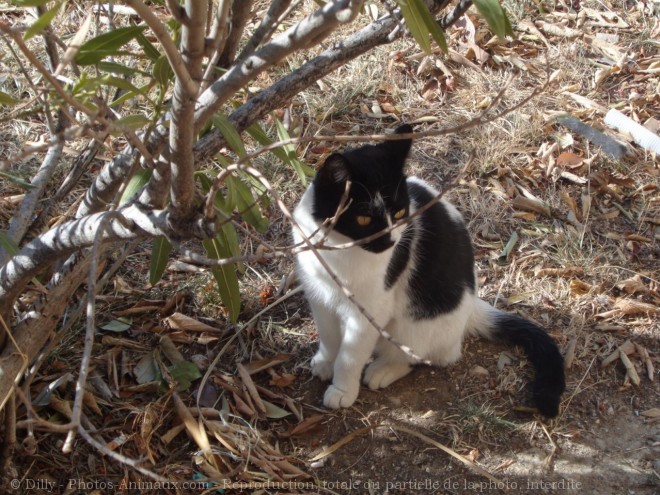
column 379, row 245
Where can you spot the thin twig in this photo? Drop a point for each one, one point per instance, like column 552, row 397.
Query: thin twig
column 89, row 330
column 171, row 51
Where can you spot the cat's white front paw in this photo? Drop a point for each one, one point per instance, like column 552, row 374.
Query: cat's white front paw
column 335, row 397
column 322, row 367
column 381, row 373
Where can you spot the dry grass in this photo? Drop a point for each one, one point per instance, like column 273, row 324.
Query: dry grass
column 562, row 273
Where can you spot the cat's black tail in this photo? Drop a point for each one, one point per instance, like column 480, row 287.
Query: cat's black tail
column 540, row 348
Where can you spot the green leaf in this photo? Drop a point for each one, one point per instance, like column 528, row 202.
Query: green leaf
column 16, row 180
column 96, row 49
column 495, row 17
column 160, row 253
column 133, row 122
column 150, row 50
column 225, row 275
column 121, row 83
column 228, row 229
column 415, row 23
column 230, row 133
column 43, row 22
column 8, row 244
column 431, row 24
column 291, row 158
column 162, row 71
column 123, row 70
column 135, row 184
column 259, row 135
column 6, row 99
column 118, row 325
column 184, row 372
column 30, row 3
column 246, row 204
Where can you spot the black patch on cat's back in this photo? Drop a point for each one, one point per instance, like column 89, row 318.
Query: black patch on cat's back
column 400, row 257
column 443, row 259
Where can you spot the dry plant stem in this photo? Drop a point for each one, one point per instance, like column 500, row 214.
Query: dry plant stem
column 247, row 324
column 52, row 81
column 455, row 14
column 171, row 51
column 42, row 251
column 29, row 151
column 31, row 334
column 22, row 219
column 240, row 13
column 298, row 37
column 266, row 27
column 89, row 331
column 118, row 457
column 219, row 33
column 177, row 11
column 9, row 435
column 182, row 132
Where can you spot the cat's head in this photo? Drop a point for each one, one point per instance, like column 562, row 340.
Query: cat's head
column 378, row 195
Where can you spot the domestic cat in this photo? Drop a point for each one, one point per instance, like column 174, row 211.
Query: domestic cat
column 416, row 280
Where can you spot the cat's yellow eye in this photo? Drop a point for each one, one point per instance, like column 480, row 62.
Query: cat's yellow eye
column 363, row 220
column 400, row 214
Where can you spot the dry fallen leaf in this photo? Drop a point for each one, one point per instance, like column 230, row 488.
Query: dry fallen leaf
column 283, row 380
column 632, row 285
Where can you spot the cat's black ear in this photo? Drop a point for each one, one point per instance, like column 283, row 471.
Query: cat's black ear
column 334, row 170
column 401, row 147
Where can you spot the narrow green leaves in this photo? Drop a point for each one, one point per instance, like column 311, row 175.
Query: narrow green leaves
column 230, row 134
column 290, row 151
column 160, row 253
column 43, row 22
column 246, row 204
column 107, row 44
column 135, row 184
column 225, row 275
column 6, row 99
column 16, row 180
column 162, row 71
column 149, row 49
column 495, row 17
column 420, row 22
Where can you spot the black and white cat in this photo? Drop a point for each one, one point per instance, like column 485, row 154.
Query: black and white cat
column 417, row 281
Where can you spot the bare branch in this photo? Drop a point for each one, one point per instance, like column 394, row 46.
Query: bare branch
column 314, row 26
column 266, row 27
column 240, row 13
column 171, row 51
column 22, row 219
column 279, row 93
column 219, row 33
column 90, row 328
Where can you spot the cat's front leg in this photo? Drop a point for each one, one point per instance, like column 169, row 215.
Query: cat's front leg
column 328, row 325
column 358, row 341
